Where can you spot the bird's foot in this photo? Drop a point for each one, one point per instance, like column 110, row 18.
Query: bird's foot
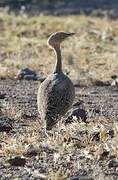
column 46, row 134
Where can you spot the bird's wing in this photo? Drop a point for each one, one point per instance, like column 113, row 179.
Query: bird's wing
column 58, row 97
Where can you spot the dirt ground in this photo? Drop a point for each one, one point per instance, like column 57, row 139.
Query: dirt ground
column 21, row 96
column 79, row 151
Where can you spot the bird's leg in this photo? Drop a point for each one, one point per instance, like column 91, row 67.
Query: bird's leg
column 56, row 132
column 45, row 132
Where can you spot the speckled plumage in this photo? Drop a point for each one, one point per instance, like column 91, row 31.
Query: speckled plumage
column 55, row 96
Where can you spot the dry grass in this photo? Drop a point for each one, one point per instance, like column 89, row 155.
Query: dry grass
column 91, row 53
column 69, row 150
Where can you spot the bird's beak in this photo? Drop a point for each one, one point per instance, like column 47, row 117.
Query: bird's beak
column 70, row 34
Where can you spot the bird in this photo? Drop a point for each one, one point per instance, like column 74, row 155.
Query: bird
column 56, row 93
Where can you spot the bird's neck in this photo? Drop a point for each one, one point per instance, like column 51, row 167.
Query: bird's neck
column 58, row 64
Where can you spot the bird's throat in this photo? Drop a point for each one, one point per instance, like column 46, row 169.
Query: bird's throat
column 58, row 64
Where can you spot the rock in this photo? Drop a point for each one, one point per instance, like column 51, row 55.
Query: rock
column 29, row 74
column 74, row 178
column 17, row 161
column 114, row 83
column 80, row 178
column 95, row 136
column 101, row 83
column 2, row 95
column 26, row 115
column 3, row 56
column 37, row 175
column 103, row 155
column 114, row 77
column 96, row 110
column 111, row 133
column 6, row 124
column 78, row 113
column 112, row 163
column 31, row 151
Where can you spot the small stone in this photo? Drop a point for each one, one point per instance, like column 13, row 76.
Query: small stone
column 96, row 110
column 111, row 133
column 114, row 76
column 26, row 74
column 2, row 95
column 74, row 178
column 115, row 83
column 17, row 161
column 29, row 74
column 6, row 124
column 80, row 178
column 112, row 163
column 27, row 115
column 95, row 136
column 101, row 83
column 3, row 56
column 78, row 113
column 104, row 155
column 31, row 151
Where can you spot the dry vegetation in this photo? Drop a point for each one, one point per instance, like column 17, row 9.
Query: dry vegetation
column 92, row 52
column 78, row 148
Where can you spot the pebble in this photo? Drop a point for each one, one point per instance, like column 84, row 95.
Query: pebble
column 6, row 124
column 2, row 95
column 17, row 161
column 113, row 163
column 80, row 178
column 28, row 74
column 31, row 151
column 80, row 114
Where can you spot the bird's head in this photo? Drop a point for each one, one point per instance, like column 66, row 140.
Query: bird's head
column 56, row 38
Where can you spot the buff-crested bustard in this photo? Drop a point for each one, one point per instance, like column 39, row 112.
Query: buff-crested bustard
column 56, row 93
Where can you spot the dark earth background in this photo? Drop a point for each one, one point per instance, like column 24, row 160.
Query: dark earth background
column 65, row 7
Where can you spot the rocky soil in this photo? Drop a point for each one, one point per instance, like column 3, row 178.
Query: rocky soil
column 18, row 114
column 20, row 96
